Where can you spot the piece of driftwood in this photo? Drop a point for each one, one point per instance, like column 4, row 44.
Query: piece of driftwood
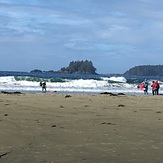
column 4, row 154
column 5, row 92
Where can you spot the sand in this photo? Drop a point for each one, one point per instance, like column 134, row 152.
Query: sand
column 58, row 128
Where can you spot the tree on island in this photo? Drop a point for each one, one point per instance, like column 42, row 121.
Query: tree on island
column 79, row 67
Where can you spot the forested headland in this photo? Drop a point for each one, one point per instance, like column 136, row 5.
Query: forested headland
column 145, row 70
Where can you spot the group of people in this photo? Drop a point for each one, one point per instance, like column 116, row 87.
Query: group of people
column 155, row 87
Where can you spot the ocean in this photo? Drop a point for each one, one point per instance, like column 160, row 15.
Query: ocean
column 74, row 83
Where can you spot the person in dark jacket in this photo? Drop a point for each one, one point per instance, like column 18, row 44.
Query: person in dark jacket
column 157, row 87
column 43, row 85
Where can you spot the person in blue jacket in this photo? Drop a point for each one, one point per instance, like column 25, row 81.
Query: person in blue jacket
column 145, row 82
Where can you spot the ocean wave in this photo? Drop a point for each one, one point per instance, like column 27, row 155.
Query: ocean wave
column 38, row 79
column 114, row 79
column 59, row 84
column 99, row 84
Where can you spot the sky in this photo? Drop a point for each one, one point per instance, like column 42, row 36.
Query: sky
column 115, row 35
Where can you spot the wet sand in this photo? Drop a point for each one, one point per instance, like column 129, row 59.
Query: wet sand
column 59, row 128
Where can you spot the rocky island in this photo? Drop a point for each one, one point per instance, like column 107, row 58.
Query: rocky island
column 75, row 67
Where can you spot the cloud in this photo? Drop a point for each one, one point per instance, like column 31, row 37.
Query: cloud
column 73, row 29
column 35, row 19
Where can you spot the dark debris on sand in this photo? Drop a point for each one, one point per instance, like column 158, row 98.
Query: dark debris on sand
column 121, row 105
column 112, row 94
column 67, row 96
column 5, row 92
column 108, row 123
column 4, row 154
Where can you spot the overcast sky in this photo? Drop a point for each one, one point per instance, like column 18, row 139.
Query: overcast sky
column 115, row 35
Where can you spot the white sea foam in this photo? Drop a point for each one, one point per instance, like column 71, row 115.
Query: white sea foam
column 118, row 79
column 7, row 79
column 76, row 85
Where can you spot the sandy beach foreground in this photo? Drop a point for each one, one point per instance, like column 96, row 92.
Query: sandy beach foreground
column 58, row 128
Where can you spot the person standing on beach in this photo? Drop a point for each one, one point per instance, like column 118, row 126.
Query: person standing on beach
column 145, row 87
column 157, row 87
column 153, row 87
column 43, row 85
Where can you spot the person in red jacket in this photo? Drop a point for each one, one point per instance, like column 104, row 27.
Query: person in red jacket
column 157, row 87
column 153, row 87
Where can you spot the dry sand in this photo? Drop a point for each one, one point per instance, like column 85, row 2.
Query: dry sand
column 54, row 128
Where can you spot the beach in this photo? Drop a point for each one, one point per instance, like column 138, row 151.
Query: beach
column 86, row 128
